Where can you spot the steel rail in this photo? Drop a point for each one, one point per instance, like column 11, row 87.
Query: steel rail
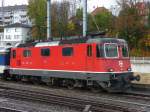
column 6, row 109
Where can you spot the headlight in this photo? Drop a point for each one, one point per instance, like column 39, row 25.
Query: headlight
column 110, row 70
column 129, row 69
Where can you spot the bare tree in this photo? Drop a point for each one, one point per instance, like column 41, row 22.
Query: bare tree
column 129, row 22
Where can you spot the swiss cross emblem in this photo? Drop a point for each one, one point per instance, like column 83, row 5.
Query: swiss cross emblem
column 121, row 63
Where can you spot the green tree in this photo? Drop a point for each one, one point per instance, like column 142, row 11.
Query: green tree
column 59, row 18
column 76, row 23
column 100, row 22
column 37, row 13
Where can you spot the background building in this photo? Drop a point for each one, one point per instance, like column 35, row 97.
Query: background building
column 14, row 14
column 99, row 10
column 143, row 11
column 1, row 38
column 15, row 33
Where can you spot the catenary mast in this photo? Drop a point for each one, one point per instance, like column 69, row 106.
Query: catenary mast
column 2, row 10
column 84, row 18
column 49, row 19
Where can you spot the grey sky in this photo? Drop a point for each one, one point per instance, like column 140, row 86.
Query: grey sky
column 97, row 3
column 91, row 3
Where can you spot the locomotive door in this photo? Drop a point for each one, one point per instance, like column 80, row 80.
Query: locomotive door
column 18, row 57
column 89, row 58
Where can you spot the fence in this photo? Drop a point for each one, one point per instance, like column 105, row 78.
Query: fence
column 140, row 60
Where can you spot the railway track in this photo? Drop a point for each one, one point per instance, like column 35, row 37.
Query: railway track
column 76, row 103
column 6, row 109
column 137, row 95
column 99, row 105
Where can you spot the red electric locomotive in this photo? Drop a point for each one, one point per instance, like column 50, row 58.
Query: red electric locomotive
column 87, row 62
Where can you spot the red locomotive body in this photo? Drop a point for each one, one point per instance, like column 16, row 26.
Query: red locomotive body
column 95, row 62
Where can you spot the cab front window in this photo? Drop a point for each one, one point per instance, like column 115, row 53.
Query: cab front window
column 111, row 50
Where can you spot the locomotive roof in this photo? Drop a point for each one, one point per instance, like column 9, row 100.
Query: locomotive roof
column 74, row 41
column 53, row 43
column 106, row 40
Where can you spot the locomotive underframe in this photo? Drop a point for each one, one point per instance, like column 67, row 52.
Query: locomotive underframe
column 112, row 82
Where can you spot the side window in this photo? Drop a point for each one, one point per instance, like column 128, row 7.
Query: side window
column 89, row 50
column 125, row 51
column 14, row 54
column 99, row 51
column 26, row 53
column 45, row 52
column 98, row 54
column 68, row 51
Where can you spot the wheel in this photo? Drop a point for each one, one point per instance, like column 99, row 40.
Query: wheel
column 70, row 84
column 96, row 89
column 36, row 80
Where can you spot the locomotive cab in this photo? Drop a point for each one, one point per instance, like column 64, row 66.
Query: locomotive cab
column 115, row 57
column 112, row 63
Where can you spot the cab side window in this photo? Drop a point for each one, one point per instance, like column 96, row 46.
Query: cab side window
column 99, row 51
column 125, row 51
column 89, row 50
